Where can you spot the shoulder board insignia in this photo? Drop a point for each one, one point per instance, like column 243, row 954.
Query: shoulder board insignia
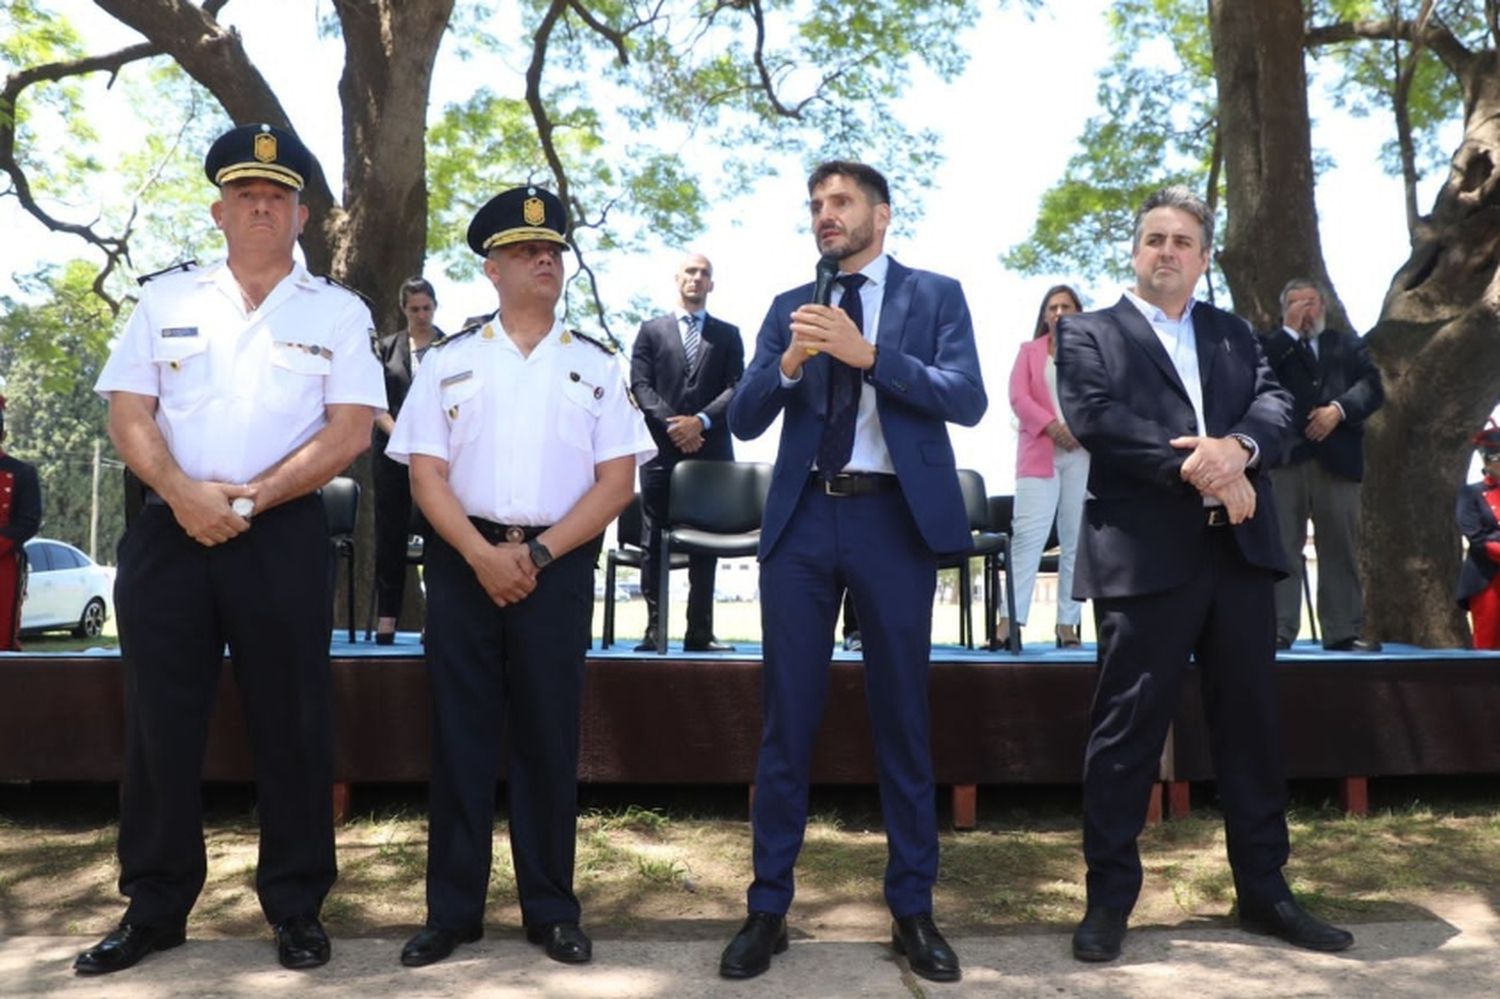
column 480, row 320
column 353, row 291
column 444, row 341
column 184, row 266
column 606, row 343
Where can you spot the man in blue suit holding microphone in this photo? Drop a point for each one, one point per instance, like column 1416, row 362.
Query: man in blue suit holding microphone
column 865, row 495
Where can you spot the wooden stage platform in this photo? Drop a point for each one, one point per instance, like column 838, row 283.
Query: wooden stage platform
column 683, row 718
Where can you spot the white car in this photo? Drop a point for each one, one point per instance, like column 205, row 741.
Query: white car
column 65, row 590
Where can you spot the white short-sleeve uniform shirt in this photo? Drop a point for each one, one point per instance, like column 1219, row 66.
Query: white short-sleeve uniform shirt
column 521, row 434
column 238, row 391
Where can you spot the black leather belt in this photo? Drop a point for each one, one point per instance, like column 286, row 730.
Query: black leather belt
column 1215, row 516
column 495, row 533
column 856, row 483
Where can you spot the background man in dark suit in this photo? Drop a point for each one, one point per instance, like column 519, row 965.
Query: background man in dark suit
column 865, row 495
column 1179, row 552
column 683, row 369
column 1335, row 387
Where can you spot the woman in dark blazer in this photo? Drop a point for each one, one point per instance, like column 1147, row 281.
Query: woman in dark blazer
column 400, row 354
column 1479, row 579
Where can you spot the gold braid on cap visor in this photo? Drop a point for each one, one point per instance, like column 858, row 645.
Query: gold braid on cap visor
column 265, row 171
column 522, row 235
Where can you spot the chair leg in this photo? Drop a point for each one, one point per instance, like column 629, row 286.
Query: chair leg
column 608, row 637
column 965, row 806
column 370, row 611
column 965, row 609
column 986, row 566
column 1014, row 641
column 349, row 586
column 663, row 587
column 1312, row 611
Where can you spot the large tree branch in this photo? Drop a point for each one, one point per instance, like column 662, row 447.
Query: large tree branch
column 115, row 248
column 214, row 56
column 1432, row 33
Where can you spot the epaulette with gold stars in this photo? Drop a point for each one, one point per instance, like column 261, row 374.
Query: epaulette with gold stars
column 353, row 291
column 471, row 325
column 185, row 265
column 608, row 344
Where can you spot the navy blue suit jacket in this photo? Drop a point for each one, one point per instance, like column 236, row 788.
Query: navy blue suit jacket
column 926, row 376
column 1123, row 400
column 663, row 388
column 1344, row 374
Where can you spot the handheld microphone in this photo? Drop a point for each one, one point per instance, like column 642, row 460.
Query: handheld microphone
column 827, row 272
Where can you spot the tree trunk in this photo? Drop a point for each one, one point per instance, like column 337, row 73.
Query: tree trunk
column 1438, row 344
column 1272, row 231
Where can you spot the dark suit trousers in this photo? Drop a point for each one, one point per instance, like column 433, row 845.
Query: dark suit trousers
column 393, row 524
column 510, row 676
column 655, row 489
column 266, row 594
column 871, row 545
column 1224, row 618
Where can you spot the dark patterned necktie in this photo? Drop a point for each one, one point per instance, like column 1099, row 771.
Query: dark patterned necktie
column 691, row 341
column 1309, row 357
column 837, row 443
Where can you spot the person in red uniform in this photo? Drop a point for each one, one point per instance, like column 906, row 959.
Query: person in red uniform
column 20, row 516
column 1478, row 515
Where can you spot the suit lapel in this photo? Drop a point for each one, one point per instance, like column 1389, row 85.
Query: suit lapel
column 1209, row 340
column 1138, row 331
column 894, row 306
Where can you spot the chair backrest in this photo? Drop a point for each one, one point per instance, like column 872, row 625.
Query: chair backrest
column 1002, row 511
column 723, row 497
column 629, row 531
column 976, row 507
column 341, row 505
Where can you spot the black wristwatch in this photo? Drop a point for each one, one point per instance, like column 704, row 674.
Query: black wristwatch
column 540, row 556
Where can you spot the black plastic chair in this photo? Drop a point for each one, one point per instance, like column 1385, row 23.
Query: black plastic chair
column 989, row 545
column 341, row 507
column 1001, row 519
column 714, row 508
column 629, row 539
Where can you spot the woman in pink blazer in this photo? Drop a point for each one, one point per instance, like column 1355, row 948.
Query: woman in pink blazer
column 1052, row 471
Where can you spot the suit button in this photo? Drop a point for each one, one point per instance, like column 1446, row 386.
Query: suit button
column 1192, row 426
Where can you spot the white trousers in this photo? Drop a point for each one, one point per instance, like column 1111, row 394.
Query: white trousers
column 1037, row 502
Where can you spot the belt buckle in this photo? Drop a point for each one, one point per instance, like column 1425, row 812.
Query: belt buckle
column 828, row 487
column 515, row 535
column 1217, row 517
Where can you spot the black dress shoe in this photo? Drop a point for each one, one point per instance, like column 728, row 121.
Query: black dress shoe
column 926, row 951
column 301, row 943
column 1294, row 924
column 708, row 645
column 1099, row 936
column 853, row 642
column 648, row 643
column 125, row 946
column 749, row 953
column 385, row 638
column 564, row 942
column 1352, row 645
column 433, row 943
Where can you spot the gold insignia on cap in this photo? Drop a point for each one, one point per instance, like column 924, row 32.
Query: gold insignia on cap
column 534, row 212
column 265, row 147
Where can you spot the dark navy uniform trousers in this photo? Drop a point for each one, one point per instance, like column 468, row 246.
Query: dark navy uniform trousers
column 266, row 595
column 510, row 676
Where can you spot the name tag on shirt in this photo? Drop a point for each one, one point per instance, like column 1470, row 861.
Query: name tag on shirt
column 462, row 376
column 172, row 332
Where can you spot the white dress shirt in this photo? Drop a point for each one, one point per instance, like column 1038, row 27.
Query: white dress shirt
column 521, row 433
column 238, row 390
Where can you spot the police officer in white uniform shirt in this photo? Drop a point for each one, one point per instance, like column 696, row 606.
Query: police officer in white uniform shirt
column 523, row 444
column 235, row 392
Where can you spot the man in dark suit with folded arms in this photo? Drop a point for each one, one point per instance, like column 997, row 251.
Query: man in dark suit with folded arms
column 1335, row 387
column 1180, row 553
column 683, row 368
column 865, row 495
